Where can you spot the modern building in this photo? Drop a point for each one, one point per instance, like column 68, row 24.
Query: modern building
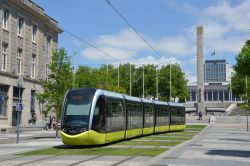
column 216, row 71
column 27, row 37
column 217, row 77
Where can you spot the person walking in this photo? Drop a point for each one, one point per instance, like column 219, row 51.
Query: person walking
column 50, row 122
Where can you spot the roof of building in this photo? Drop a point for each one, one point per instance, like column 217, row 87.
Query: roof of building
column 216, row 61
column 39, row 10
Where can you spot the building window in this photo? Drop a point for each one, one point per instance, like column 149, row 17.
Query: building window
column 34, row 33
column 3, row 100
column 20, row 26
column 5, row 18
column 33, row 66
column 19, row 61
column 4, row 56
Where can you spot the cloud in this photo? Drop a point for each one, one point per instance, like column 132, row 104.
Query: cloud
column 111, row 54
column 192, row 79
column 128, row 45
column 126, row 39
column 175, row 45
column 226, row 26
column 225, row 31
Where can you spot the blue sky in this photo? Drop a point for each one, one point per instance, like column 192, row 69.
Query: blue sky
column 168, row 25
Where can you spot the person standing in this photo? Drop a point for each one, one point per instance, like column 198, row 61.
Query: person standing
column 200, row 115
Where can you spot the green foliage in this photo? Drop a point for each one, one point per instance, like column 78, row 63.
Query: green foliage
column 238, row 85
column 242, row 67
column 59, row 82
column 243, row 60
column 106, row 77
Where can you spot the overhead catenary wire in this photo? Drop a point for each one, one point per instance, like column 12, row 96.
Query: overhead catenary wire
column 134, row 29
column 89, row 44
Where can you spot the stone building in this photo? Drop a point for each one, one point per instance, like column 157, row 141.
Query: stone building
column 27, row 38
column 217, row 76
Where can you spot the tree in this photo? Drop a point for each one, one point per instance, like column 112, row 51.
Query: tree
column 242, row 67
column 238, row 85
column 84, row 77
column 178, row 83
column 59, row 82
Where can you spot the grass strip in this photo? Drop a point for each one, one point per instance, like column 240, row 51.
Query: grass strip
column 195, row 126
column 148, row 143
column 99, row 151
column 165, row 138
column 188, row 133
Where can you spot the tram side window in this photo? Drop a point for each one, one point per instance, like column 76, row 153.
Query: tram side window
column 167, row 115
column 158, row 116
column 134, row 115
column 173, row 115
column 149, row 118
column 116, row 116
column 182, row 114
column 162, row 115
column 99, row 119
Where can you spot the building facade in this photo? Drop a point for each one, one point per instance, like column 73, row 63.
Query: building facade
column 216, row 71
column 217, row 76
column 27, row 38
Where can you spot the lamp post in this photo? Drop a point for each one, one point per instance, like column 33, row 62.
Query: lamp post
column 118, row 77
column 170, row 80
column 247, row 103
column 74, row 74
column 130, row 80
column 143, row 82
column 156, row 70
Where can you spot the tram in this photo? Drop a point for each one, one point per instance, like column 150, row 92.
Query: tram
column 94, row 117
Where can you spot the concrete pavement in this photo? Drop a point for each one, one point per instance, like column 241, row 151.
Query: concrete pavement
column 222, row 144
column 218, row 144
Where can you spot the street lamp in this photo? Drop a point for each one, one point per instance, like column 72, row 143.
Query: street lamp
column 247, row 103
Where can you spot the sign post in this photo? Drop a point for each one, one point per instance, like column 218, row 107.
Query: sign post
column 19, row 110
column 19, row 106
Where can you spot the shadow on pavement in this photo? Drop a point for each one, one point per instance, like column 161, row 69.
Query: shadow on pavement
column 232, row 153
column 234, row 139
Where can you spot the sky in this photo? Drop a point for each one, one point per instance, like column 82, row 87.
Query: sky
column 169, row 26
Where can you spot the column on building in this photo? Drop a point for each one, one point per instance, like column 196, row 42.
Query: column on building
column 10, row 105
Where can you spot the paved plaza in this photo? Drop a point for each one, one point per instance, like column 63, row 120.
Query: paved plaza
column 218, row 144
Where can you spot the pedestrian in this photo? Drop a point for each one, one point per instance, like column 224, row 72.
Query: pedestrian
column 50, row 122
column 200, row 115
column 54, row 122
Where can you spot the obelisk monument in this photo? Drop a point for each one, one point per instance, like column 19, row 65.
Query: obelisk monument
column 200, row 70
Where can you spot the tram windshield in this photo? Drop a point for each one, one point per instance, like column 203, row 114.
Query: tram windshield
column 76, row 110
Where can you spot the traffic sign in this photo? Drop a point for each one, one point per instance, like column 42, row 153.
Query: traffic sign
column 20, row 107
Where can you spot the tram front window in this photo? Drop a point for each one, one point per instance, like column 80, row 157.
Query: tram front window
column 76, row 113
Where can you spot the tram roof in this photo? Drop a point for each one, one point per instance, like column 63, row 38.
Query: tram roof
column 175, row 104
column 146, row 100
column 160, row 102
column 132, row 98
column 111, row 94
